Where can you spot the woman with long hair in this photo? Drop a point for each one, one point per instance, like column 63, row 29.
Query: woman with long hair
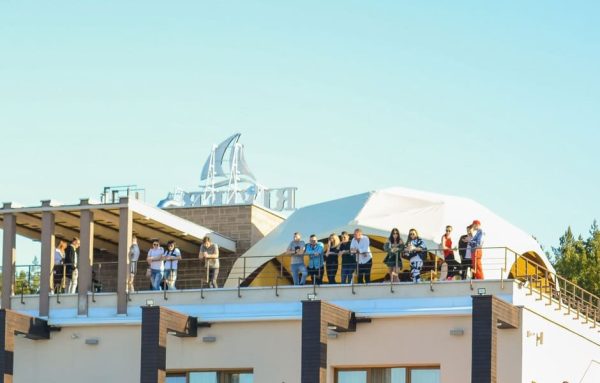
column 58, row 271
column 332, row 257
column 416, row 252
column 348, row 259
column 393, row 247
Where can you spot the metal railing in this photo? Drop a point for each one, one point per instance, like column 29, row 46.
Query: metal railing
column 275, row 271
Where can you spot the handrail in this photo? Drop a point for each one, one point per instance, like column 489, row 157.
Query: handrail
column 537, row 278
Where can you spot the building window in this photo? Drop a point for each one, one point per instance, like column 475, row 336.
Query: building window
column 389, row 375
column 211, row 377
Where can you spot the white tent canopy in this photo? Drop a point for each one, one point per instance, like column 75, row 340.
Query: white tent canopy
column 377, row 212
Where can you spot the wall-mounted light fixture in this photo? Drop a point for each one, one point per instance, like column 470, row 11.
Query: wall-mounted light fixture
column 481, row 291
column 209, row 339
column 149, row 302
column 457, row 331
column 92, row 341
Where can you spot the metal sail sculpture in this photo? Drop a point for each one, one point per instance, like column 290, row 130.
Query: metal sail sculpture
column 226, row 179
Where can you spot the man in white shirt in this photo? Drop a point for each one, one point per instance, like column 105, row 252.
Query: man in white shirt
column 155, row 260
column 360, row 247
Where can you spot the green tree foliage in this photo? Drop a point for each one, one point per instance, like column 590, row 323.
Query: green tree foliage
column 578, row 259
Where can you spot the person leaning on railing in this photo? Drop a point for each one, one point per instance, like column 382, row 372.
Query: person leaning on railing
column 58, row 271
column 416, row 252
column 332, row 257
column 348, row 259
column 360, row 248
column 394, row 246
column 296, row 251
column 172, row 258
column 449, row 257
column 210, row 253
column 315, row 249
column 155, row 261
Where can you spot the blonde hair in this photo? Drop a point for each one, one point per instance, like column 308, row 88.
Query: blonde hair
column 335, row 239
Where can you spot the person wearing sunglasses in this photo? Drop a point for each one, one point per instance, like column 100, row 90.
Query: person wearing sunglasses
column 449, row 256
column 316, row 261
column 416, row 250
column 155, row 260
column 360, row 248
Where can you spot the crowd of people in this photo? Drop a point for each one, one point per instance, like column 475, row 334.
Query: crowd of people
column 162, row 264
column 324, row 260
column 356, row 258
column 161, row 271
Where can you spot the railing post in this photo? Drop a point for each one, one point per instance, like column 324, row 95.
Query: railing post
column 430, row 280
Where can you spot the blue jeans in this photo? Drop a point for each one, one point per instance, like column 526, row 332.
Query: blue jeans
column 155, row 278
column 171, row 278
column 347, row 271
column 299, row 268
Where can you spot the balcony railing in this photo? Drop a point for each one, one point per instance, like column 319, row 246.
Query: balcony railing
column 500, row 263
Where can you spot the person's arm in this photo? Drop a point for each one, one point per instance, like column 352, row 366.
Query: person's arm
column 213, row 256
column 177, row 255
column 387, row 247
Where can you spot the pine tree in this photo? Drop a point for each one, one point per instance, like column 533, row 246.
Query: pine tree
column 578, row 259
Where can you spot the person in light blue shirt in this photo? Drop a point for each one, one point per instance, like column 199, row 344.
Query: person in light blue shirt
column 315, row 250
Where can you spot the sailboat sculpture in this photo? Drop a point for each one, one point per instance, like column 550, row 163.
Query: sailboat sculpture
column 225, row 179
column 226, row 166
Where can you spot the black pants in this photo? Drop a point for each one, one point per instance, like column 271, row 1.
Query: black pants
column 316, row 275
column 364, row 272
column 332, row 268
column 453, row 267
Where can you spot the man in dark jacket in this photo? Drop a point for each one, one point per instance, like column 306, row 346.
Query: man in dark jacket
column 71, row 259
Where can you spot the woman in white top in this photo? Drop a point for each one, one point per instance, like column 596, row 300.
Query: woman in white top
column 210, row 252
column 58, row 271
column 155, row 260
column 172, row 257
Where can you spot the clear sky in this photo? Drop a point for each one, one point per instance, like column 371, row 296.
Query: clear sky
column 495, row 101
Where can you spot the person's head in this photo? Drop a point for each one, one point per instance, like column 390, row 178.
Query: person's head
column 448, row 230
column 334, row 240
column 313, row 239
column 345, row 236
column 134, row 240
column 171, row 245
column 395, row 235
column 206, row 241
column 297, row 236
column 358, row 233
column 469, row 229
column 75, row 242
column 62, row 244
column 413, row 234
column 155, row 243
column 476, row 224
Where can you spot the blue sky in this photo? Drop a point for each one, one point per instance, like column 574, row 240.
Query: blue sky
column 495, row 102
